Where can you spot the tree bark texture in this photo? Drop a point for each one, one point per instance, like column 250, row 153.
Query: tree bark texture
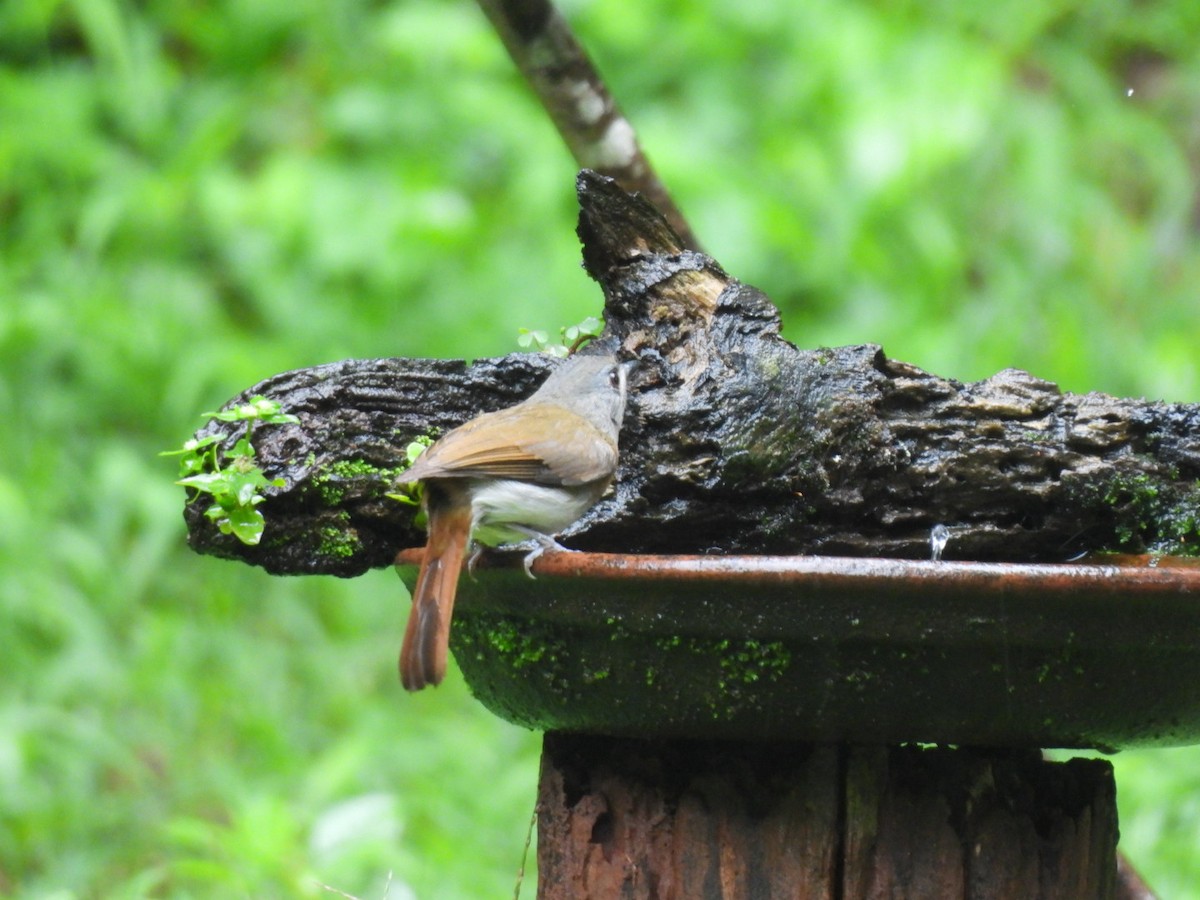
column 737, row 441
column 701, row 821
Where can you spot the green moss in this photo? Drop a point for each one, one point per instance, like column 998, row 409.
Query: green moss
column 331, row 494
column 522, row 668
column 591, row 676
column 519, row 646
column 1137, row 499
column 339, row 541
column 1181, row 526
column 755, row 660
column 1144, row 512
column 355, row 468
column 332, row 482
column 738, row 662
column 274, row 542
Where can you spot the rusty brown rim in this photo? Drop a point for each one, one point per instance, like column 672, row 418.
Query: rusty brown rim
column 1115, row 575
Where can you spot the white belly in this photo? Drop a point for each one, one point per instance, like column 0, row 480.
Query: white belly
column 498, row 504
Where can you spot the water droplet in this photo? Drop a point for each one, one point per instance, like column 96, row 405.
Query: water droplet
column 939, row 537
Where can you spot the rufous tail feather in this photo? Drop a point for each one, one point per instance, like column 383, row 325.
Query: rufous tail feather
column 427, row 635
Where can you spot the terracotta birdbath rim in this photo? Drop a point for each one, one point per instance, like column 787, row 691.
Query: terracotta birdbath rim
column 1109, row 572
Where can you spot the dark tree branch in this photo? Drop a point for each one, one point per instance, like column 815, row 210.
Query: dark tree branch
column 736, row 441
column 540, row 42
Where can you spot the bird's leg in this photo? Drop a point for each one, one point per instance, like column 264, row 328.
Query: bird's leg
column 542, row 542
column 476, row 552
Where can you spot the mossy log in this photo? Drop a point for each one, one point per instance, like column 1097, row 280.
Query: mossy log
column 735, row 440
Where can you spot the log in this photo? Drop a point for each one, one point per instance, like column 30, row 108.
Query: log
column 737, row 441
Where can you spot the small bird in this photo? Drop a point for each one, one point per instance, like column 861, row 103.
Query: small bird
column 518, row 474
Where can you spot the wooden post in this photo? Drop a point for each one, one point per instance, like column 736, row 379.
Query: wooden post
column 696, row 820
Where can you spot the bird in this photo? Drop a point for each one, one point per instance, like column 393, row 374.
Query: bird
column 518, row 474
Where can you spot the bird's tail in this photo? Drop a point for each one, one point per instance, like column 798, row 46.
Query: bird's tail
column 427, row 635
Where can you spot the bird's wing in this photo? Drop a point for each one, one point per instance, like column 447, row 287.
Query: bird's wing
column 573, row 454
column 577, row 453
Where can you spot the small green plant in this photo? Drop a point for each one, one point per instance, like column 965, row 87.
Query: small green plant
column 408, row 492
column 232, row 479
column 571, row 337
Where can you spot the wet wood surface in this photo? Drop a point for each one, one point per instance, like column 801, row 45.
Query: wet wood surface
column 734, row 821
column 736, row 440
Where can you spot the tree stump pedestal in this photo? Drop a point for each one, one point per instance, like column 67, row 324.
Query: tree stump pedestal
column 732, row 821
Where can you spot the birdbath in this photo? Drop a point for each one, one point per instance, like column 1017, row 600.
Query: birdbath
column 754, row 684
column 731, row 726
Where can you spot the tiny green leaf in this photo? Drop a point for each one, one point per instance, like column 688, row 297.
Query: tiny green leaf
column 591, row 326
column 418, row 446
column 571, row 337
column 208, row 482
column 242, row 450
column 192, row 445
column 259, row 408
column 246, row 525
column 232, row 479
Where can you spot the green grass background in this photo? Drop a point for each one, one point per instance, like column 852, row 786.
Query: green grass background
column 196, row 195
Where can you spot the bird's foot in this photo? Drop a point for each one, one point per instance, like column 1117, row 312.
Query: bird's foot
column 476, row 552
column 542, row 543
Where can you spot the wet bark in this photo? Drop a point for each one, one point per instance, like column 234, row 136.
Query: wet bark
column 621, row 818
column 737, row 441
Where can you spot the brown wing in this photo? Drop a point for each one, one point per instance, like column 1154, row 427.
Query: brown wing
column 577, row 453
column 516, row 443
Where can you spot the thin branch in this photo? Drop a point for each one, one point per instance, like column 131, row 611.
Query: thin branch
column 597, row 133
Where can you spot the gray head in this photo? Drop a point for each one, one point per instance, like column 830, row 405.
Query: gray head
column 593, row 386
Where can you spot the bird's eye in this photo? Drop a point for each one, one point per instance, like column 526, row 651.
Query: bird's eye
column 614, row 377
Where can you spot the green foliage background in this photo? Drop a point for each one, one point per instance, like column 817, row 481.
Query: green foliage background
column 196, row 195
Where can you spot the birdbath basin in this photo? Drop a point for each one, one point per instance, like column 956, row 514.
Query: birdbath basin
column 1103, row 655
